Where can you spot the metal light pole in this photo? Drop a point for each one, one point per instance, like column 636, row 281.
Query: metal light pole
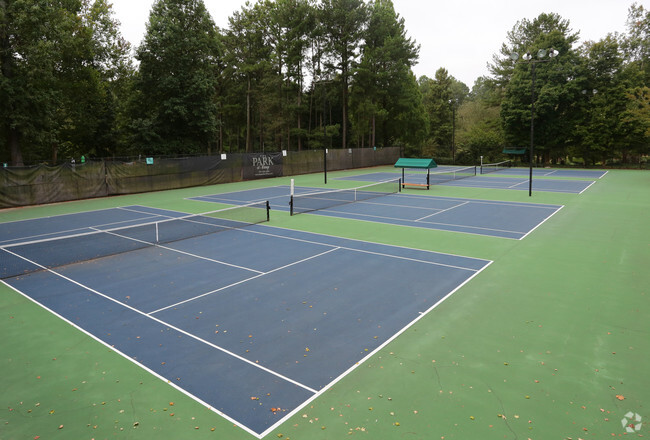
column 324, row 80
column 452, row 102
column 528, row 58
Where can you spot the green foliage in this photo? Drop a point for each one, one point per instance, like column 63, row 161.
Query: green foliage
column 174, row 110
column 342, row 24
column 386, row 104
column 305, row 74
column 59, row 62
column 441, row 97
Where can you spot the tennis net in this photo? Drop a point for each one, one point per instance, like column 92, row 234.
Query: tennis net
column 455, row 174
column 492, row 167
column 32, row 256
column 328, row 199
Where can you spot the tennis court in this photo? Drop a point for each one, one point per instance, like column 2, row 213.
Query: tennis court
column 548, row 341
column 252, row 321
column 454, row 176
column 514, row 220
column 553, row 172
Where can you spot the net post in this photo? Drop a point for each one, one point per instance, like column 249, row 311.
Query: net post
column 268, row 211
column 157, row 239
column 399, row 185
column 428, row 177
column 291, row 205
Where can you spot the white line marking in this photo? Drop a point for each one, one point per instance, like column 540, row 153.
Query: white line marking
column 589, row 186
column 370, row 355
column 129, row 358
column 443, row 210
column 242, row 281
column 55, row 235
column 160, row 321
column 354, row 216
column 540, row 224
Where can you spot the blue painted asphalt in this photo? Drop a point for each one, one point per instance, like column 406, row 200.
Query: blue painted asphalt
column 257, row 312
column 491, row 181
column 482, row 217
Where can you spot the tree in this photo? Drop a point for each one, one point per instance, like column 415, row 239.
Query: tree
column 174, row 106
column 441, row 97
column 59, row 61
column 556, row 89
column 637, row 42
column 384, row 88
column 248, row 69
column 292, row 22
column 343, row 22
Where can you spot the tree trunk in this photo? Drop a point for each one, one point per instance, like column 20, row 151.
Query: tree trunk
column 13, row 139
column 248, row 117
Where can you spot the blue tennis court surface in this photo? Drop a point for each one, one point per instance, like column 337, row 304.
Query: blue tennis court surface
column 493, row 180
column 483, row 217
column 553, row 172
column 244, row 320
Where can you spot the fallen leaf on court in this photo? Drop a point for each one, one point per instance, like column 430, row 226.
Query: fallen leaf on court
column 620, row 397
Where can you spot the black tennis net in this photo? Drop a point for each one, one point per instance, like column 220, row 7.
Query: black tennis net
column 31, row 256
column 492, row 167
column 455, row 174
column 328, row 199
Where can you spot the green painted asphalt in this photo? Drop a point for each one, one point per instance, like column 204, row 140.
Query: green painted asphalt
column 551, row 341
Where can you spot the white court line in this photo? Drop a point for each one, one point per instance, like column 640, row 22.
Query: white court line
column 517, row 184
column 355, row 216
column 542, row 222
column 370, row 355
column 160, row 321
column 247, row 230
column 133, row 361
column 313, row 391
column 589, row 186
column 54, row 235
column 261, row 274
column 441, row 211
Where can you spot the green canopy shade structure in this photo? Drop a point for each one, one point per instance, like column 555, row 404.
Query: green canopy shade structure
column 514, row 150
column 407, row 162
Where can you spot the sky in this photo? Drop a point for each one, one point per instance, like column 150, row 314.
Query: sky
column 459, row 35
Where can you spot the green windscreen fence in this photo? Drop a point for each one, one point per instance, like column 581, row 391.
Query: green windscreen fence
column 22, row 186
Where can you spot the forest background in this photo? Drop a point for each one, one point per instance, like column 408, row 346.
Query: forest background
column 306, row 74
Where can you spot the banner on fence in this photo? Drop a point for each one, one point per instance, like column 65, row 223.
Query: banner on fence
column 262, row 165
